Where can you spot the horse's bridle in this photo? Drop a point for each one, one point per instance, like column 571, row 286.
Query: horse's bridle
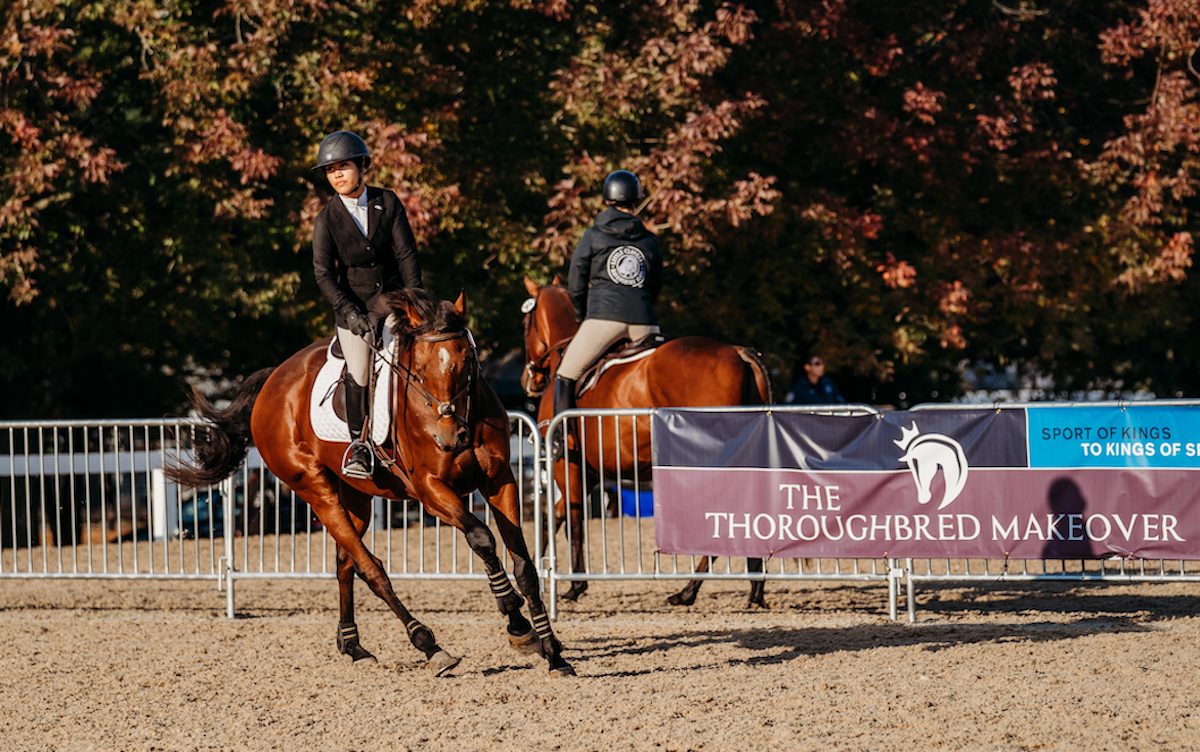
column 395, row 461
column 445, row 409
column 541, row 365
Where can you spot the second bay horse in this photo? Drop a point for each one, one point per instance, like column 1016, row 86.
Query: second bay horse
column 684, row 372
column 450, row 436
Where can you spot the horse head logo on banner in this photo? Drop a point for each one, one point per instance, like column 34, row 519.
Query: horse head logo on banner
column 925, row 454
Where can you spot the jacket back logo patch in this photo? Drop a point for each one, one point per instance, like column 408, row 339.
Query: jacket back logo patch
column 627, row 266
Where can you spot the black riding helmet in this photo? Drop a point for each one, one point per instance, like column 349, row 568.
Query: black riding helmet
column 342, row 146
column 622, row 188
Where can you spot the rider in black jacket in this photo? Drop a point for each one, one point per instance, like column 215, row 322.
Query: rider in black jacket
column 363, row 247
column 614, row 279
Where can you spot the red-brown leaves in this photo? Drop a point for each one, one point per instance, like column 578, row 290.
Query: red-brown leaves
column 1156, row 161
column 46, row 147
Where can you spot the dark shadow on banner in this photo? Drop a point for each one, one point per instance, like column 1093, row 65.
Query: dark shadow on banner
column 1067, row 500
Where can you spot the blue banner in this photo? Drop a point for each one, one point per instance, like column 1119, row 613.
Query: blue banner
column 1116, row 437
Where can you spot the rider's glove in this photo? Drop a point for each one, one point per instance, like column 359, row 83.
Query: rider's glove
column 358, row 323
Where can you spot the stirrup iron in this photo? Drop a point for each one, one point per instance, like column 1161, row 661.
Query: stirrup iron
column 353, row 471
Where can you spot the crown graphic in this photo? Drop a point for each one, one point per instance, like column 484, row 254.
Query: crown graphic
column 906, row 436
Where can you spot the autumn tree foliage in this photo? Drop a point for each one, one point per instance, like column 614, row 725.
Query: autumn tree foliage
column 968, row 183
column 913, row 188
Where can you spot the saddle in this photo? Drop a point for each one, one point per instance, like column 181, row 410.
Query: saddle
column 622, row 351
column 338, row 398
column 327, row 407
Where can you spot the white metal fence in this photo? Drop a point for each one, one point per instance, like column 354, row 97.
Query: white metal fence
column 618, row 543
column 88, row 499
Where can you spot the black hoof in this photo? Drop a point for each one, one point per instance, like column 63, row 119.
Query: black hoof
column 682, row 599
column 575, row 591
column 558, row 672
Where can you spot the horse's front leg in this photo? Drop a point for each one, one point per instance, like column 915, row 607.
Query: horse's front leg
column 558, row 516
column 346, row 520
column 502, row 496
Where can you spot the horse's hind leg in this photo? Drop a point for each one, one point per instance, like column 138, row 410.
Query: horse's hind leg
column 347, row 638
column 757, row 587
column 687, row 596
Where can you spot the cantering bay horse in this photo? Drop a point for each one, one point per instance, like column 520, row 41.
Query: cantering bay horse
column 684, row 372
column 450, row 436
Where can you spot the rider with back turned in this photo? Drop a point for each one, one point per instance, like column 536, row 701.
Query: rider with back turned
column 363, row 248
column 614, row 279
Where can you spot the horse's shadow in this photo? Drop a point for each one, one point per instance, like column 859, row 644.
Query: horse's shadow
column 1098, row 612
column 775, row 646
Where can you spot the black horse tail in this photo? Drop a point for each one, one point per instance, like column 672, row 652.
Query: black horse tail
column 757, row 389
column 221, row 443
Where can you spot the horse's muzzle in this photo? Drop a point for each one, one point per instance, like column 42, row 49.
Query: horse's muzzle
column 461, row 440
column 534, row 382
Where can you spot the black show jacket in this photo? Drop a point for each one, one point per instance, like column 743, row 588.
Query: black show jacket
column 353, row 269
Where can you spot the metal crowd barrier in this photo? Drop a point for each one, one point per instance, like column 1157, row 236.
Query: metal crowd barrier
column 1096, row 571
column 618, row 537
column 89, row 500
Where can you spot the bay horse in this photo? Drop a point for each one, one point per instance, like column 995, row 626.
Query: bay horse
column 684, row 372
column 449, row 437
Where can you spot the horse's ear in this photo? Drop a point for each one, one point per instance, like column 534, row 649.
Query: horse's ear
column 531, row 287
column 402, row 306
column 557, row 280
column 413, row 314
column 460, row 305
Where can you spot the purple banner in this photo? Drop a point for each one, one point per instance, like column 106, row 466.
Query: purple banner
column 953, row 484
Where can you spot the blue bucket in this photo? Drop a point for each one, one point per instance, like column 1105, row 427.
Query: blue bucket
column 637, row 504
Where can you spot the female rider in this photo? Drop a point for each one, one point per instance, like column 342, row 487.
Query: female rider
column 614, row 279
column 363, row 248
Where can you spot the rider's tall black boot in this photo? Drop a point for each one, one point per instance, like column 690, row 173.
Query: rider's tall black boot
column 564, row 399
column 358, row 460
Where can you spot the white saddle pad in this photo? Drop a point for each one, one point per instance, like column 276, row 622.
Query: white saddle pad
column 591, row 382
column 325, row 422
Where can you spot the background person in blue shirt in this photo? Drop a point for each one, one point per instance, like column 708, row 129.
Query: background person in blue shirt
column 814, row 387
